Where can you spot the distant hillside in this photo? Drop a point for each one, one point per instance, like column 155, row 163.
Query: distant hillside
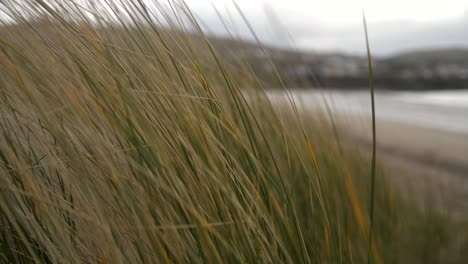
column 414, row 70
column 432, row 56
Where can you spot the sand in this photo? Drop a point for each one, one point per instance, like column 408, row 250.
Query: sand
column 419, row 158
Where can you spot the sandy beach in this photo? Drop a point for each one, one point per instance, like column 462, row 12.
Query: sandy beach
column 419, row 158
column 421, row 137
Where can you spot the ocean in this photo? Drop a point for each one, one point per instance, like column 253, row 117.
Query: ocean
column 444, row 110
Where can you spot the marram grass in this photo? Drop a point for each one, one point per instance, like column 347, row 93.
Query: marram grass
column 125, row 138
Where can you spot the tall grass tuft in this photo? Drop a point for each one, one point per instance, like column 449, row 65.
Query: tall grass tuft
column 127, row 136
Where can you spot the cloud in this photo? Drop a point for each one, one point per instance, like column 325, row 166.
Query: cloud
column 319, row 25
column 387, row 37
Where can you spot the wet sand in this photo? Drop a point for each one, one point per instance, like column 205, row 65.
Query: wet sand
column 433, row 147
column 418, row 157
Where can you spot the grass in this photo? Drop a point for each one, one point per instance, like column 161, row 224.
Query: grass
column 374, row 142
column 127, row 139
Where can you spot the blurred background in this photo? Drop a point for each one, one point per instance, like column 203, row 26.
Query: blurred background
column 420, row 58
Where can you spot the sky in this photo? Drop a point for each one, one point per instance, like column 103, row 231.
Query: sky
column 395, row 26
column 336, row 25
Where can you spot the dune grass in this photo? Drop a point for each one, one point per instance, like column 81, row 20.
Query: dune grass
column 127, row 139
column 374, row 142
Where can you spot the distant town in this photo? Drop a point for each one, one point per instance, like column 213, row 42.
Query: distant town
column 415, row 70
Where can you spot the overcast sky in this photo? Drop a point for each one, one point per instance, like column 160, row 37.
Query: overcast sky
column 336, row 25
